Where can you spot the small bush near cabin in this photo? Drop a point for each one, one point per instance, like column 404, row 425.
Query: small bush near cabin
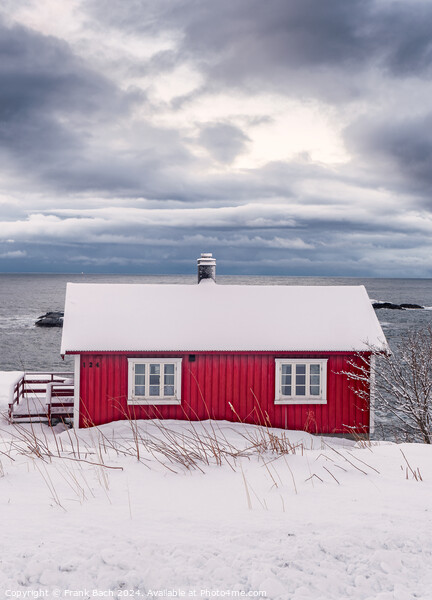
column 402, row 386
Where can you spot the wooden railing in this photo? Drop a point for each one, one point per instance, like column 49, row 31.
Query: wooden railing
column 51, row 387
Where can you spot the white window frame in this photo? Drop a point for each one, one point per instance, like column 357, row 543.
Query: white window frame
column 307, row 399
column 154, row 400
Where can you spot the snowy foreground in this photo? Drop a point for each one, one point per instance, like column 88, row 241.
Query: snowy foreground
column 177, row 509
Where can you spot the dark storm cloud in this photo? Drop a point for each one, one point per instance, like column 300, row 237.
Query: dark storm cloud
column 404, row 31
column 40, row 72
column 50, row 104
column 401, row 147
column 307, row 46
column 33, row 83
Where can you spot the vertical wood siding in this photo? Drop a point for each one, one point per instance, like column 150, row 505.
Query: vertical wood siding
column 230, row 386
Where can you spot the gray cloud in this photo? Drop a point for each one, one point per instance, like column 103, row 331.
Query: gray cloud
column 59, row 121
column 401, row 147
column 404, row 31
column 47, row 99
column 306, row 46
column 40, row 71
column 223, row 141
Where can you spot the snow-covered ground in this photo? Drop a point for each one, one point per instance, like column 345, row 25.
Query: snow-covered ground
column 147, row 511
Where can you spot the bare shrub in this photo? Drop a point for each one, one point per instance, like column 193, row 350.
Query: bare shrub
column 402, row 384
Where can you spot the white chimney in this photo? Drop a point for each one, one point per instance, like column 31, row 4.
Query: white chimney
column 206, row 267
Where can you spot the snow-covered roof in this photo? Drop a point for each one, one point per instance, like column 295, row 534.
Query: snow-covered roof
column 211, row 317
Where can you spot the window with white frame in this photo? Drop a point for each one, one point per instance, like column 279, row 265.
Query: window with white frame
column 154, row 381
column 301, row 381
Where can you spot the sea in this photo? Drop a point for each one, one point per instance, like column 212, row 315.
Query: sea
column 25, row 297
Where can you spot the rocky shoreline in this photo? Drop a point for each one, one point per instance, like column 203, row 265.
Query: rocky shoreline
column 392, row 306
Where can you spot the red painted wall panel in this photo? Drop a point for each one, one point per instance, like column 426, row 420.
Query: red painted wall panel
column 231, row 386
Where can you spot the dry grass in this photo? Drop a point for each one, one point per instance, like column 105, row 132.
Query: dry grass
column 80, row 460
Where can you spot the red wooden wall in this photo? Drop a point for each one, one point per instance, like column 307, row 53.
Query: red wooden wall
column 216, row 380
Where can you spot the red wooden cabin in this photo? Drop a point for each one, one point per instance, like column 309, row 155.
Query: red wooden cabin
column 258, row 354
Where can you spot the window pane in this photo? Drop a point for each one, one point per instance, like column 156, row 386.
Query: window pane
column 169, row 380
column 154, row 382
column 286, row 369
column 300, row 390
column 139, row 379
column 301, row 369
column 140, row 369
column 169, row 369
column 301, row 380
column 139, row 390
column 286, row 390
column 314, row 380
column 168, row 390
column 286, row 379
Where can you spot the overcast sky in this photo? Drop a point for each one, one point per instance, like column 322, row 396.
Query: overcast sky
column 289, row 137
